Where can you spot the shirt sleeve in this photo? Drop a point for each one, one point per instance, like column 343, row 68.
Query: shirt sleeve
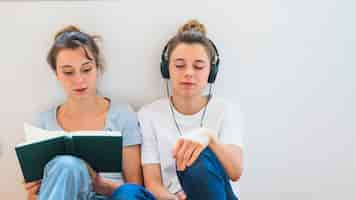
column 232, row 128
column 40, row 120
column 149, row 147
column 131, row 132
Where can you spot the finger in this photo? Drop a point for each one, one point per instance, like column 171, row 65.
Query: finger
column 195, row 155
column 188, row 153
column 180, row 155
column 177, row 146
column 31, row 184
column 34, row 190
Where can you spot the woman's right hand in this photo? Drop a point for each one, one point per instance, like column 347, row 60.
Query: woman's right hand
column 32, row 189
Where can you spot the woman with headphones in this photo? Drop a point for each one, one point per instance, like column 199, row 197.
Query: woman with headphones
column 192, row 143
column 75, row 60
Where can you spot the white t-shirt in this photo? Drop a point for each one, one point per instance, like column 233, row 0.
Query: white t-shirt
column 160, row 133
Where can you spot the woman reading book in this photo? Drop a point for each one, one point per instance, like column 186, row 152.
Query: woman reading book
column 192, row 147
column 75, row 60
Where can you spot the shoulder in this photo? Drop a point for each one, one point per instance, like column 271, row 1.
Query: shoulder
column 121, row 112
column 117, row 109
column 123, row 118
column 120, row 116
column 44, row 119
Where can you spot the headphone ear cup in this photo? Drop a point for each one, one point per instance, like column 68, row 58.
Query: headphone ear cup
column 213, row 73
column 164, row 69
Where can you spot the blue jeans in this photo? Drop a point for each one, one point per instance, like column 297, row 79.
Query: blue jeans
column 66, row 177
column 206, row 179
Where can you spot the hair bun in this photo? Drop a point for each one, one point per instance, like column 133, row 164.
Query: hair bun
column 193, row 25
column 69, row 28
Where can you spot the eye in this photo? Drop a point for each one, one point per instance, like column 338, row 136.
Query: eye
column 87, row 70
column 199, row 67
column 68, row 73
column 179, row 65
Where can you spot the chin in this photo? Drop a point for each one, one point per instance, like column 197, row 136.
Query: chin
column 188, row 94
column 80, row 96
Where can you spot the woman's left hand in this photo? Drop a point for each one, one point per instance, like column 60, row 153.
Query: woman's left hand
column 189, row 146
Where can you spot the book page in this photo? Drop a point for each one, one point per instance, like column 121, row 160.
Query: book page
column 34, row 134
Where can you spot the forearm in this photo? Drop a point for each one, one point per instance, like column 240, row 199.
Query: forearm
column 161, row 193
column 131, row 167
column 135, row 178
column 230, row 156
column 153, row 182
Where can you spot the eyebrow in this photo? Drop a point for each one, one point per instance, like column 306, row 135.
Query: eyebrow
column 66, row 66
column 88, row 62
column 196, row 61
column 179, row 59
column 70, row 66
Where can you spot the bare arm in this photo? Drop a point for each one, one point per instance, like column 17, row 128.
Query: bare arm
column 131, row 167
column 230, row 157
column 153, row 182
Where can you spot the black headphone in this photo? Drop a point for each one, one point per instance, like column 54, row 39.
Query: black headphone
column 214, row 64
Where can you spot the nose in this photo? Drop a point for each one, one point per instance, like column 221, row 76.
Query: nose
column 189, row 71
column 78, row 78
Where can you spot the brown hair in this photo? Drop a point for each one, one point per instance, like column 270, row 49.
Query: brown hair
column 192, row 32
column 70, row 37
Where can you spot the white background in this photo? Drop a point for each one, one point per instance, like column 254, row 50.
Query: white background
column 290, row 64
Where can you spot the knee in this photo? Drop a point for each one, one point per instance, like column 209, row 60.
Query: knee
column 205, row 159
column 203, row 167
column 197, row 171
column 130, row 191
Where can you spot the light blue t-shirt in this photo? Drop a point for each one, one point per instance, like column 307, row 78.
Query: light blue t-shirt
column 119, row 117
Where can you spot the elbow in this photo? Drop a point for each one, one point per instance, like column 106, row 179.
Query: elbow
column 236, row 175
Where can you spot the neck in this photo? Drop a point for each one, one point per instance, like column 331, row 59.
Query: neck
column 188, row 105
column 90, row 105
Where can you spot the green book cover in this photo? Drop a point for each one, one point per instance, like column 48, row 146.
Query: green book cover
column 102, row 150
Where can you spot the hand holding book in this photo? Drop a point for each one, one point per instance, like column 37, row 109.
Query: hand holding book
column 102, row 150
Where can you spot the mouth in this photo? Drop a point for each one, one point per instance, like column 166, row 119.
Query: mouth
column 80, row 90
column 187, row 83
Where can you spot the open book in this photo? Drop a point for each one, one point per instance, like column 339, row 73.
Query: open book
column 101, row 149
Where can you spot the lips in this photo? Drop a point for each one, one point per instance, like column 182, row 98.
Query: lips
column 80, row 90
column 187, row 83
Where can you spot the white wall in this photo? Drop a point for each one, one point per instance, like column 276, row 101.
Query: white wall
column 290, row 64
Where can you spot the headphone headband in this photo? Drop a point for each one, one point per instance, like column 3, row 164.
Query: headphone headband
column 216, row 59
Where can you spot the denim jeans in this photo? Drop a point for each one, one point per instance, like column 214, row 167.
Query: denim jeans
column 67, row 178
column 206, row 179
